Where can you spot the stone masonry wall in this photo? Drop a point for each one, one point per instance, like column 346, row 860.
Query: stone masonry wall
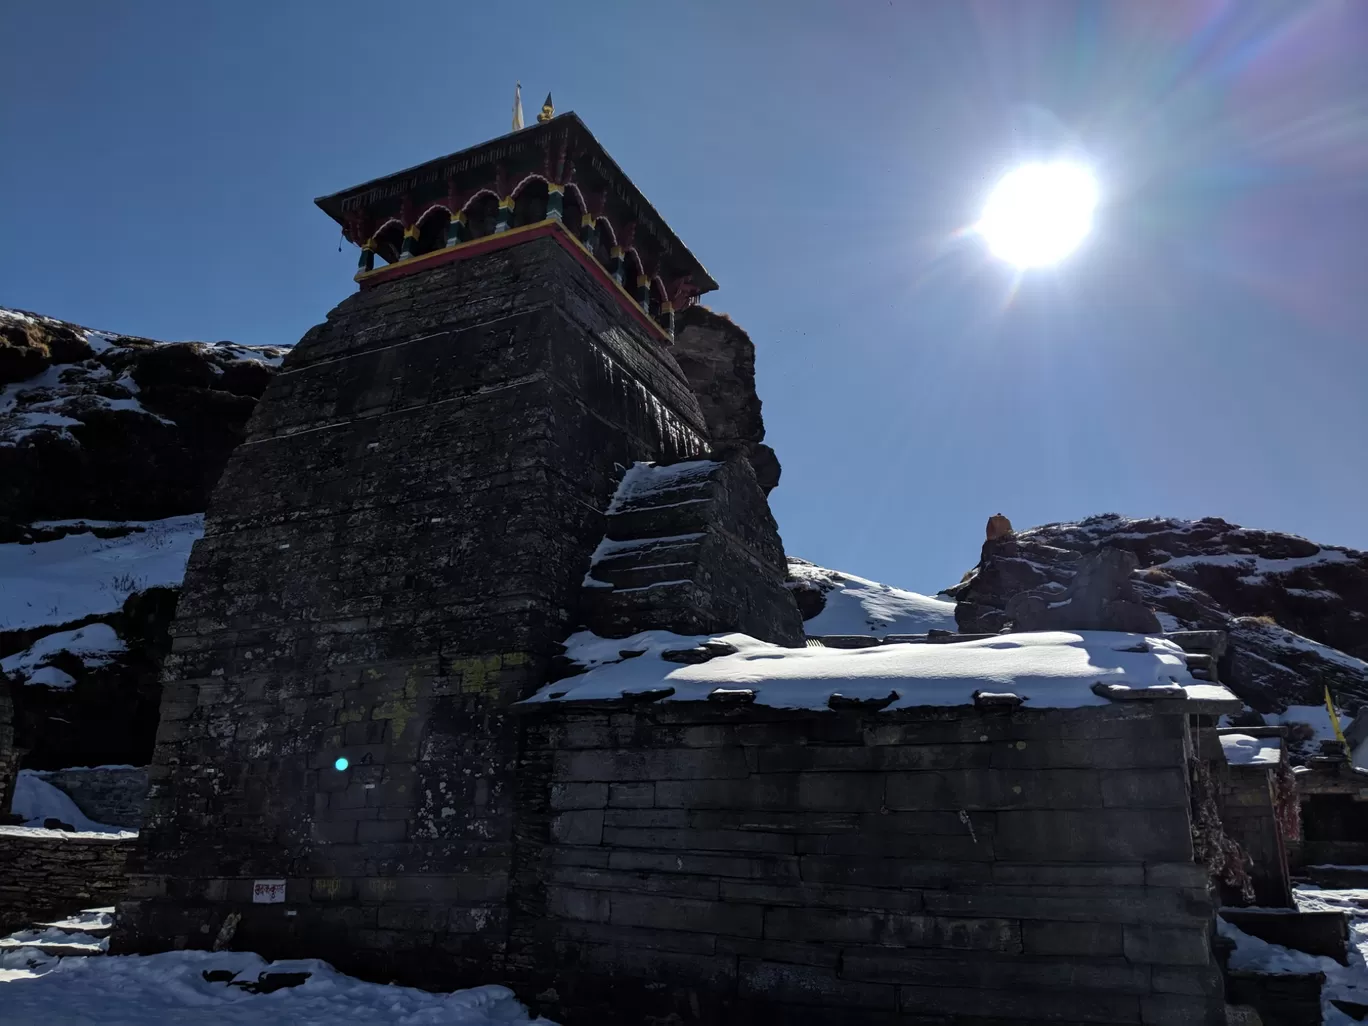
column 389, row 561
column 113, row 795
column 925, row 866
column 48, row 874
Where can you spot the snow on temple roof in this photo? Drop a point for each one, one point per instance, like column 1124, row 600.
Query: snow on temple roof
column 1244, row 750
column 1046, row 670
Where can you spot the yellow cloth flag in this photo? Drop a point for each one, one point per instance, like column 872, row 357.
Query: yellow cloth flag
column 517, row 107
column 1334, row 721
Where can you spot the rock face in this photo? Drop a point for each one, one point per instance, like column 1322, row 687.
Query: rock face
column 691, row 548
column 115, row 427
column 1296, row 612
column 94, row 428
column 718, row 358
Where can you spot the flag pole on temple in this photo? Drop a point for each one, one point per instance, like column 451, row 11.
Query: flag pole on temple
column 517, row 107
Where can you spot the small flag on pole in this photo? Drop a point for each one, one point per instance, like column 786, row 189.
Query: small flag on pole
column 517, row 107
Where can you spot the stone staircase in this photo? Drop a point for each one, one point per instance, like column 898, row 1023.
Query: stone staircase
column 83, row 934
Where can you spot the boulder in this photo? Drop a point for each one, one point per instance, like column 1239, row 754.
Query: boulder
column 718, row 358
column 1296, row 612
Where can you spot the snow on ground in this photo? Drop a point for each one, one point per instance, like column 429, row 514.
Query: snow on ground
column 80, row 575
column 170, row 990
column 36, row 800
column 96, row 644
column 1055, row 669
column 1347, row 983
column 1243, row 750
column 857, row 606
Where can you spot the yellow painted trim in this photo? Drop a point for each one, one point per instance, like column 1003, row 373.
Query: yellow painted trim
column 588, row 220
column 369, row 244
column 506, row 203
column 642, row 280
column 411, row 232
column 616, row 253
column 459, row 217
column 552, row 187
column 667, row 307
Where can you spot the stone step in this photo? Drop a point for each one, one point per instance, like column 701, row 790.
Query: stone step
column 1316, row 933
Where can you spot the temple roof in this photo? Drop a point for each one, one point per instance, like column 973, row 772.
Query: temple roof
column 515, row 156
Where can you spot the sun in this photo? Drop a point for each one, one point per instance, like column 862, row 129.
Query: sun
column 1039, row 213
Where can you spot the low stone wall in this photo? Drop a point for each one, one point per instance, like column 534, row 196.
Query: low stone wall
column 113, row 795
column 924, row 865
column 48, row 874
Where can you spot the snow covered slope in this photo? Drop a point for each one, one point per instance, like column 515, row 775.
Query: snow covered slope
column 838, row 603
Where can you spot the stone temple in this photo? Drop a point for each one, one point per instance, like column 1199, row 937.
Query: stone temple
column 397, row 732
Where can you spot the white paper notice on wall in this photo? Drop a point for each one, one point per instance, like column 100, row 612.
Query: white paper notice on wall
column 268, row 892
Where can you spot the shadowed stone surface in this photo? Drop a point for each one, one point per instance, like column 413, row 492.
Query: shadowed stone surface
column 691, row 548
column 389, row 560
column 719, row 359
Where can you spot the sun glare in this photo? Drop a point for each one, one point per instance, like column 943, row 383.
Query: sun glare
column 1039, row 213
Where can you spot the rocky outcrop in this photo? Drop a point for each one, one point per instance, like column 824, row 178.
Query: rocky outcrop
column 1296, row 612
column 718, row 358
column 97, row 430
column 116, row 427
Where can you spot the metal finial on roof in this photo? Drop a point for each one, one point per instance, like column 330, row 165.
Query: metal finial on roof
column 548, row 111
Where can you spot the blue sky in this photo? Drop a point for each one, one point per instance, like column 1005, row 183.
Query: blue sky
column 1202, row 354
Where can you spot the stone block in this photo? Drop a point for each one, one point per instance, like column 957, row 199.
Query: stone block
column 869, row 871
column 382, row 831
column 1161, row 945
column 1189, row 981
column 1076, row 875
column 631, row 796
column 586, row 906
column 1001, row 1005
column 645, row 883
column 666, row 765
column 996, row 972
column 1101, row 835
column 1146, row 788
column 699, row 840
column 778, row 981
column 978, row 934
column 850, row 899
column 580, row 827
column 565, row 796
column 1173, row 1010
column 1055, row 938
column 1176, row 874
column 658, row 912
column 814, row 925
column 1138, row 905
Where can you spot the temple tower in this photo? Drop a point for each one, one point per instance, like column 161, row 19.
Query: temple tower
column 393, row 555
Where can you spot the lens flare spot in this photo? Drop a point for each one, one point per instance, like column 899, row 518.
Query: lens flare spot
column 341, row 763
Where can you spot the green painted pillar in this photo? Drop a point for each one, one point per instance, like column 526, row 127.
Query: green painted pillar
column 589, row 231
column 643, row 292
column 555, row 202
column 456, row 228
column 410, row 243
column 367, row 261
column 616, row 263
column 505, row 220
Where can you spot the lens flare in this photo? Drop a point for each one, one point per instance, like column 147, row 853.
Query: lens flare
column 1039, row 213
column 341, row 763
